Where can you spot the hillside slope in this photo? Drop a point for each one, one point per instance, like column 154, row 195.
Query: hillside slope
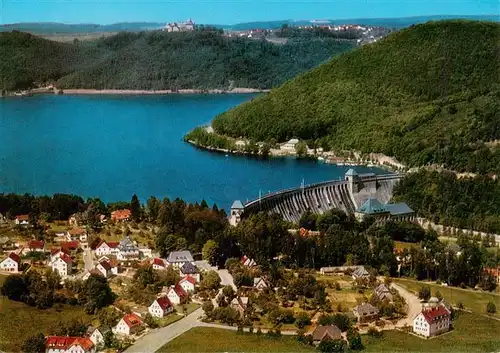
column 388, row 97
column 203, row 59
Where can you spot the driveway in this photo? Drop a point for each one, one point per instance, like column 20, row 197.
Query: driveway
column 226, row 279
column 414, row 306
column 156, row 339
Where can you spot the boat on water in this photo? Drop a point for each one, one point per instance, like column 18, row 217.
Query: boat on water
column 340, row 164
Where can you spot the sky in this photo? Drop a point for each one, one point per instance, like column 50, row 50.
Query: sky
column 230, row 11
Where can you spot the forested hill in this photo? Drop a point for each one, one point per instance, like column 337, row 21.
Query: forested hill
column 427, row 94
column 203, row 59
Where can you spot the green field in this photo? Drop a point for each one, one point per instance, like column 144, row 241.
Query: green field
column 204, row 339
column 472, row 333
column 19, row 321
column 472, row 300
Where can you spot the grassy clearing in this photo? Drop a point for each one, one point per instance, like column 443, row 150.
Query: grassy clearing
column 19, row 321
column 204, row 339
column 472, row 300
column 472, row 333
column 400, row 245
column 169, row 319
column 189, row 308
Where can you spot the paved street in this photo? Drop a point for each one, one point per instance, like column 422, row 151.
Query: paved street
column 155, row 339
column 87, row 258
column 226, row 278
column 413, row 302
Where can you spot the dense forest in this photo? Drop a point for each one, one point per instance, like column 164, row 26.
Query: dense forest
column 203, row 59
column 427, row 94
column 467, row 203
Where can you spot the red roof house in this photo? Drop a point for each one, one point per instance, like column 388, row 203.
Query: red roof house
column 36, row 245
column 66, row 343
column 128, row 325
column 121, row 215
column 70, row 245
column 15, row 257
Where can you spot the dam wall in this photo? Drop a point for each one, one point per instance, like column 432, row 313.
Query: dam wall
column 346, row 195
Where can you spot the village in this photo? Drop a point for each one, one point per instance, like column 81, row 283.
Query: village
column 335, row 303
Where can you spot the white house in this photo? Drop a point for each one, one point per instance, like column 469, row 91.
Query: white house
column 67, row 344
column 159, row 264
column 104, row 267
column 63, row 265
column 432, row 321
column 76, row 234
column 188, row 283
column 290, row 145
column 127, row 250
column 176, row 294
column 55, row 253
column 11, row 264
column 128, row 325
column 259, row 283
column 96, row 335
column 161, row 307
column 179, row 258
column 107, row 248
column 22, row 220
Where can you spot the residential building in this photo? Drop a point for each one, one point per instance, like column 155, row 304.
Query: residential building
column 179, row 258
column 247, row 261
column 159, row 264
column 127, row 250
column 77, row 234
column 63, row 265
column 107, row 248
column 96, row 335
column 57, row 252
column 121, row 215
column 176, row 294
column 11, row 264
column 290, row 145
column 259, row 283
column 240, row 304
column 360, row 272
column 365, row 312
column 128, row 325
column 70, row 246
column 383, row 293
column 104, row 267
column 432, row 321
column 68, row 344
column 325, row 333
column 161, row 307
column 190, row 269
column 35, row 245
column 22, row 220
column 374, row 208
column 188, row 283
column 495, row 272
column 180, row 26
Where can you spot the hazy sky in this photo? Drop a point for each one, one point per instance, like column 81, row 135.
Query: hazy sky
column 230, row 11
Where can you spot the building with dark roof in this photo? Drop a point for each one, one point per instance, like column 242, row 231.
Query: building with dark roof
column 322, row 333
column 384, row 212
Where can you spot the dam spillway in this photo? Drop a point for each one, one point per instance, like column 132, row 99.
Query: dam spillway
column 346, row 195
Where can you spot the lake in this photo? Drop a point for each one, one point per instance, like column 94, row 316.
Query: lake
column 114, row 146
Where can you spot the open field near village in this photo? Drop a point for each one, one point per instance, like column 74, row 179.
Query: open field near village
column 472, row 333
column 204, row 339
column 19, row 321
column 472, row 300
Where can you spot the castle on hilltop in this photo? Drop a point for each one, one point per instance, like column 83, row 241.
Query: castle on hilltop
column 363, row 195
column 180, row 27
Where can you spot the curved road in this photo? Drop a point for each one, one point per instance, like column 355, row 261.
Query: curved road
column 413, row 302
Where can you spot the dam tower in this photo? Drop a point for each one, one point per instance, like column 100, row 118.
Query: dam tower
column 352, row 178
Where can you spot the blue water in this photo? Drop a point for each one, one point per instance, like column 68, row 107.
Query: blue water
column 114, row 146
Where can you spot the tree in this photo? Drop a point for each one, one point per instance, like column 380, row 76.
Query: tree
column 150, row 321
column 424, row 293
column 108, row 316
column 229, row 293
column 153, row 207
column 14, row 287
column 135, row 208
column 332, row 346
column 354, row 339
column 487, row 282
column 211, row 280
column 97, row 293
column 34, row 344
column 301, row 149
column 439, row 295
column 302, row 320
column 207, row 307
column 491, row 308
column 209, row 251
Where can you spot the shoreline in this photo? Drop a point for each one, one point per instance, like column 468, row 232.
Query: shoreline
column 85, row 91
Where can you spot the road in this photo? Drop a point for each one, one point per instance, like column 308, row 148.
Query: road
column 226, row 279
column 414, row 306
column 87, row 258
column 156, row 339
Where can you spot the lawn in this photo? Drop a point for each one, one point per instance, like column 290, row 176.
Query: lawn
column 19, row 321
column 472, row 300
column 472, row 333
column 204, row 339
column 400, row 245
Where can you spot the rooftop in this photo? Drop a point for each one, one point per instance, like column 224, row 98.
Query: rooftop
column 180, row 256
column 351, row 172
column 237, row 205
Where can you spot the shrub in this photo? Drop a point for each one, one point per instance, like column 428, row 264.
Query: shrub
column 259, row 331
column 491, row 308
column 373, row 332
